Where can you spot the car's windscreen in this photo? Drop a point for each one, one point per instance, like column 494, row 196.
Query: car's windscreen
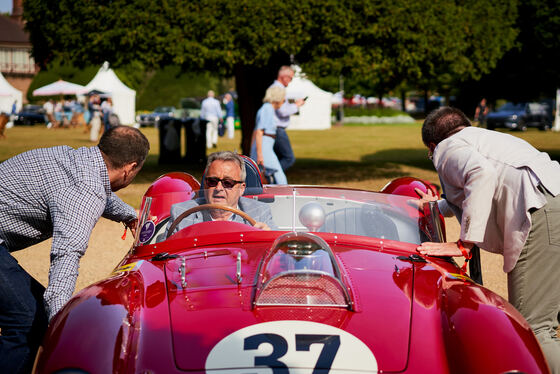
column 511, row 107
column 299, row 209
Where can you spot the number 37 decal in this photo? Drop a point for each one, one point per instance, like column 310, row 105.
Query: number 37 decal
column 280, row 348
column 291, row 347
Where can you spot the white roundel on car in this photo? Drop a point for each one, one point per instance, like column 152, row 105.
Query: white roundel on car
column 295, row 347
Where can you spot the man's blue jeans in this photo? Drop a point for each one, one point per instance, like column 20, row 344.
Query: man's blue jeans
column 283, row 149
column 23, row 319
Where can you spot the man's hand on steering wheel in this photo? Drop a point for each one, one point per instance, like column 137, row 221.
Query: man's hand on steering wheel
column 261, row 225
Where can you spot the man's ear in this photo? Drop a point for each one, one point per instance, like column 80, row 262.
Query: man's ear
column 432, row 147
column 130, row 166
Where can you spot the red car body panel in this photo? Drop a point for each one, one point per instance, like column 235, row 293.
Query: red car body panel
column 193, row 311
column 176, row 305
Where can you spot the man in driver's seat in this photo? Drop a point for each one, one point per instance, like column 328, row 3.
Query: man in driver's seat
column 224, row 184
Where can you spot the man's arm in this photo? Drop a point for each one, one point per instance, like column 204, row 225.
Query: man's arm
column 443, row 205
column 218, row 109
column 117, row 210
column 287, row 109
column 258, row 146
column 267, row 218
column 260, row 212
column 463, row 167
column 177, row 209
column 74, row 214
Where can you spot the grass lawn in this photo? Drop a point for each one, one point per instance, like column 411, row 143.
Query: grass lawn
column 347, row 156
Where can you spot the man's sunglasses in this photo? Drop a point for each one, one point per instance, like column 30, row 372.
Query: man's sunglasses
column 227, row 183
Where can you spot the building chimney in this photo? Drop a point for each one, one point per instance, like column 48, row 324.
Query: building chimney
column 17, row 11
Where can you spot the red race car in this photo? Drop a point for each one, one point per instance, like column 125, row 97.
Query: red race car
column 337, row 287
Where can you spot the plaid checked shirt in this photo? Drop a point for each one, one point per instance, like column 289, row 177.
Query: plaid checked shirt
column 57, row 192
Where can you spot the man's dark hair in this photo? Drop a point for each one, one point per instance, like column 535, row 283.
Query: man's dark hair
column 442, row 123
column 124, row 144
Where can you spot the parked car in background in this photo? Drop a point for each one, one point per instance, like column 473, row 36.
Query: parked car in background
column 519, row 116
column 151, row 119
column 190, row 107
column 30, row 115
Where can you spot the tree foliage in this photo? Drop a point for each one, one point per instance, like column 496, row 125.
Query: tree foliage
column 381, row 43
column 528, row 71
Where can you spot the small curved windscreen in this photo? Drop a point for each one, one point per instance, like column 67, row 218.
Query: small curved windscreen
column 300, row 269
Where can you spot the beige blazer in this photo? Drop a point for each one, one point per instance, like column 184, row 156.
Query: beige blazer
column 490, row 181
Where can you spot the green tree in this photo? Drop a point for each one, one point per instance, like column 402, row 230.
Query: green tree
column 529, row 71
column 380, row 42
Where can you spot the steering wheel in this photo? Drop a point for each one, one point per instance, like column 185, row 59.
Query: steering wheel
column 204, row 207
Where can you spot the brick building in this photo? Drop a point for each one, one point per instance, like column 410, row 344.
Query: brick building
column 16, row 63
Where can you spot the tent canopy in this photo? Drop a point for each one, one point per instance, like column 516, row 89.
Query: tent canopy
column 9, row 95
column 315, row 114
column 124, row 98
column 59, row 87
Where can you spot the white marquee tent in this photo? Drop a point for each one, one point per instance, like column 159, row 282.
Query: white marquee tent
column 124, row 98
column 9, row 94
column 315, row 114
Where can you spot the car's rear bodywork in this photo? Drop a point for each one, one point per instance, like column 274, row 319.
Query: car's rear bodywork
column 338, row 288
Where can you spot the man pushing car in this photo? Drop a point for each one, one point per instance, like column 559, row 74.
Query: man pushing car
column 56, row 192
column 506, row 195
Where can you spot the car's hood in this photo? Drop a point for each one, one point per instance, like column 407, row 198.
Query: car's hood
column 216, row 326
column 505, row 114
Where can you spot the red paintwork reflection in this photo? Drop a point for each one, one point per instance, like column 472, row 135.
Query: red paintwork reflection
column 111, row 327
column 465, row 327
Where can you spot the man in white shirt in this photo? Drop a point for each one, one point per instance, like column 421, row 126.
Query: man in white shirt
column 282, row 145
column 48, row 106
column 506, row 194
column 211, row 111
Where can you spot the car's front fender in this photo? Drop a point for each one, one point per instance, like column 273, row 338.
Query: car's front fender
column 103, row 329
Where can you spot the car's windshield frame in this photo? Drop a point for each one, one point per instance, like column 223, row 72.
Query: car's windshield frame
column 339, row 211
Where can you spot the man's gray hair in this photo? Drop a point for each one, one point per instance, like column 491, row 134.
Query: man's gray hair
column 285, row 69
column 227, row 156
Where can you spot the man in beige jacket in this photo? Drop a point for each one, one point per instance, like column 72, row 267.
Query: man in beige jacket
column 506, row 194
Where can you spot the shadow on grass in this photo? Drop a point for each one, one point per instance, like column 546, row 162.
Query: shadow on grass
column 383, row 164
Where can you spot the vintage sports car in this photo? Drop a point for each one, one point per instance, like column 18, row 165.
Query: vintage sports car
column 338, row 287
